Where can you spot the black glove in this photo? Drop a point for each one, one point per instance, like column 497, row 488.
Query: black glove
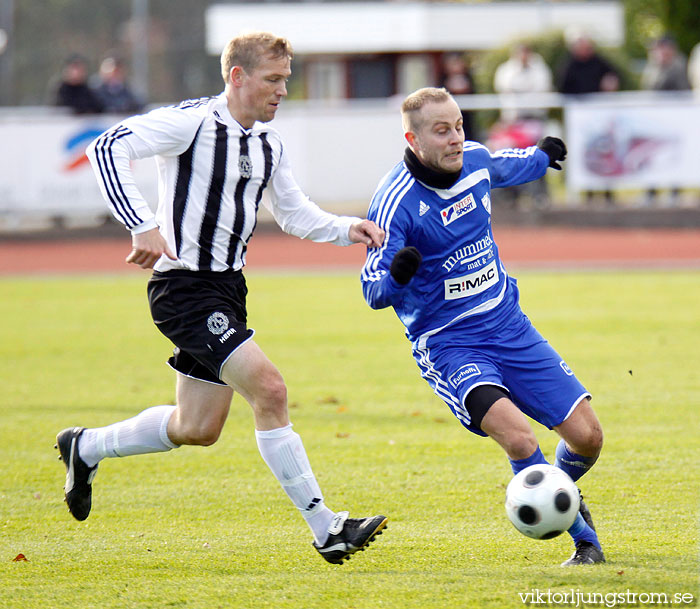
column 405, row 264
column 555, row 149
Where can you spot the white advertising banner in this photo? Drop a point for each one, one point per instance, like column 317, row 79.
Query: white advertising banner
column 340, row 151
column 44, row 170
column 44, row 167
column 633, row 146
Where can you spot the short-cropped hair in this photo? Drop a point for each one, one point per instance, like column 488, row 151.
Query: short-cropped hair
column 247, row 49
column 414, row 103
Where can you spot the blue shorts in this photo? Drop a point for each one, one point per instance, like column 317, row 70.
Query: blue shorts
column 516, row 357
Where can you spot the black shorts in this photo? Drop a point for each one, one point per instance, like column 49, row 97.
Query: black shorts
column 204, row 314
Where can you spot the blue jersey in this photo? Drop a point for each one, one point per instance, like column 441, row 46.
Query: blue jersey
column 461, row 274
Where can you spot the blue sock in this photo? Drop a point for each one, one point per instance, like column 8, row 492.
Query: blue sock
column 519, row 465
column 580, row 531
column 573, row 464
column 576, row 465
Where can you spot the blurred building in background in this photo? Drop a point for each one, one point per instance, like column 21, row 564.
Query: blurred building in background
column 380, row 49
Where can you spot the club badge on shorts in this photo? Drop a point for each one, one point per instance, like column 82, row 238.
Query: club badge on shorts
column 217, row 323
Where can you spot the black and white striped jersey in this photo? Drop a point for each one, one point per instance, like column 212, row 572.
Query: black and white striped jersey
column 212, row 173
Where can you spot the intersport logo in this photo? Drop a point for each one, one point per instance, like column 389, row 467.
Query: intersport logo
column 458, row 209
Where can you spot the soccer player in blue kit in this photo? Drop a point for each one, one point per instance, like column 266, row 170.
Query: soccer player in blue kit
column 439, row 268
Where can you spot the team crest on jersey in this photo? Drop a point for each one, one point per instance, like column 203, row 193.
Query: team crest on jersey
column 458, row 209
column 486, row 202
column 217, row 323
column 245, row 166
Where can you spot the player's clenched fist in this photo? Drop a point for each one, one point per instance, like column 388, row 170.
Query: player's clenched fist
column 555, row 149
column 405, row 264
column 147, row 249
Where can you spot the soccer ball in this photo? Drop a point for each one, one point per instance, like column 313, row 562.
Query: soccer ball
column 542, row 501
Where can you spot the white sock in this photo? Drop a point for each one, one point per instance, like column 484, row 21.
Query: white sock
column 284, row 454
column 144, row 433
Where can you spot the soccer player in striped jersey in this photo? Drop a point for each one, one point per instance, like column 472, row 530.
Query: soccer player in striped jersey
column 440, row 269
column 215, row 157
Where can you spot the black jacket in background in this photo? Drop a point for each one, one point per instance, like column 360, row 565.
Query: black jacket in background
column 80, row 98
column 583, row 76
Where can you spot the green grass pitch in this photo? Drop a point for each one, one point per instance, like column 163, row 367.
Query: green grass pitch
column 210, row 527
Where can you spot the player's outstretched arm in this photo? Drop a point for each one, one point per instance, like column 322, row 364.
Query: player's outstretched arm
column 555, row 150
column 147, row 248
column 366, row 232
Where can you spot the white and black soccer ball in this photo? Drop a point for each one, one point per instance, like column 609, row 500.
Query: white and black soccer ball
column 542, row 501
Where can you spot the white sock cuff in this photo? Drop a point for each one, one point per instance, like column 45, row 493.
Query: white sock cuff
column 163, row 432
column 272, row 434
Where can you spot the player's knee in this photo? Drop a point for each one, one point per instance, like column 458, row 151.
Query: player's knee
column 583, row 431
column 520, row 444
column 197, row 430
column 207, row 437
column 271, row 395
column 202, row 433
column 592, row 441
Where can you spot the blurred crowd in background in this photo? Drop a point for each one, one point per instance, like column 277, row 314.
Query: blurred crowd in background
column 93, row 68
column 582, row 70
column 107, row 91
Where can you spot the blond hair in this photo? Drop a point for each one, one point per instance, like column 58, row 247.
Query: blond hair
column 413, row 104
column 246, row 51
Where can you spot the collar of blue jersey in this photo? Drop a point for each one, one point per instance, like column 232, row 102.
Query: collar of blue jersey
column 432, row 178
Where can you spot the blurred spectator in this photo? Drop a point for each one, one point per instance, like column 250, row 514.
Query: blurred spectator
column 524, row 72
column 585, row 71
column 666, row 70
column 694, row 68
column 458, row 80
column 112, row 88
column 73, row 91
